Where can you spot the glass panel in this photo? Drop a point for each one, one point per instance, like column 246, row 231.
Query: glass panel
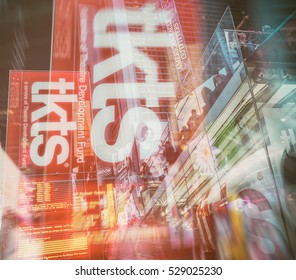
column 276, row 108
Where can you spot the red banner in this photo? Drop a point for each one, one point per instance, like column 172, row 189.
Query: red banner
column 49, row 122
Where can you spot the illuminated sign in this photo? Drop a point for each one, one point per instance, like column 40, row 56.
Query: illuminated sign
column 126, row 56
column 128, row 53
column 108, row 213
column 51, row 118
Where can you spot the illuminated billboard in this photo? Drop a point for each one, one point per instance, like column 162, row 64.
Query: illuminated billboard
column 49, row 121
column 48, row 139
column 137, row 67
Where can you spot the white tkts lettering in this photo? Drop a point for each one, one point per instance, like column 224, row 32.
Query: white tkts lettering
column 49, row 153
column 104, row 92
column 128, row 44
column 51, row 106
column 62, row 127
column 127, row 132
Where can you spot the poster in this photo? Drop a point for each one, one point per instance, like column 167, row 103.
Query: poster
column 49, row 122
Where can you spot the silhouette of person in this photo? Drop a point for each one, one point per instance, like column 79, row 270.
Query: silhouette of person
column 193, row 121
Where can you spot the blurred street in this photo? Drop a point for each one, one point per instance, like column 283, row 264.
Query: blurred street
column 146, row 243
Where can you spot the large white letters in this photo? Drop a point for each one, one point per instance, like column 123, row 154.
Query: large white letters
column 40, row 129
column 128, row 45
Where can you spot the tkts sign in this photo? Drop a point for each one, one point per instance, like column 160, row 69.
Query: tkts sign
column 124, row 46
column 48, row 122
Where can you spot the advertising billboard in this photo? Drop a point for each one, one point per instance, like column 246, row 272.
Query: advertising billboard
column 139, row 60
column 49, row 121
column 48, row 140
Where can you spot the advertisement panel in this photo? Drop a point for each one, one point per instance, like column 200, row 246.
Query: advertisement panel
column 49, row 122
column 48, row 141
column 137, row 68
column 58, row 220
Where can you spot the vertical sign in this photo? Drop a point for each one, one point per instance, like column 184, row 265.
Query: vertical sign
column 49, row 121
column 126, row 56
column 48, row 140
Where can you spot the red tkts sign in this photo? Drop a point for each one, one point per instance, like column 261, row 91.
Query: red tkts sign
column 127, row 59
column 49, row 121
